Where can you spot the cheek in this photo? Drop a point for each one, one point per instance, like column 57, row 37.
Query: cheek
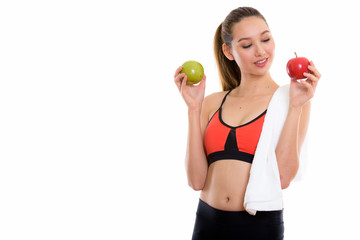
column 270, row 47
column 243, row 58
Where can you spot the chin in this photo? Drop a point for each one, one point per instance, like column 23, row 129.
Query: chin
column 263, row 70
column 261, row 73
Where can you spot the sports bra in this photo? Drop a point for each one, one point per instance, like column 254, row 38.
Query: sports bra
column 226, row 142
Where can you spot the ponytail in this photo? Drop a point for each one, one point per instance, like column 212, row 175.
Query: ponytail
column 229, row 71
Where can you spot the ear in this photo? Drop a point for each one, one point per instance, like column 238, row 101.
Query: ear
column 227, row 52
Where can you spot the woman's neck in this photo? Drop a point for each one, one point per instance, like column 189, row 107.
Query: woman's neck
column 252, row 85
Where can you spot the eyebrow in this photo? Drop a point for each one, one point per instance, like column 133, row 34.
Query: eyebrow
column 247, row 38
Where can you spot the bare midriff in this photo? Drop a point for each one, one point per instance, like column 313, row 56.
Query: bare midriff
column 225, row 185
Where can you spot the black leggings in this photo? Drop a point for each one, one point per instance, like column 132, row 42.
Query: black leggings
column 215, row 224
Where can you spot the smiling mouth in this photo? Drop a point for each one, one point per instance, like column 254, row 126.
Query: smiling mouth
column 261, row 63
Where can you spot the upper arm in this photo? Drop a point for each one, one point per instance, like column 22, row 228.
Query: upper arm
column 205, row 112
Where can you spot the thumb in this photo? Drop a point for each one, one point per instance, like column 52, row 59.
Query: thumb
column 203, row 81
column 183, row 83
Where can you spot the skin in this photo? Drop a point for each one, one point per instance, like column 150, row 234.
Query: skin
column 223, row 184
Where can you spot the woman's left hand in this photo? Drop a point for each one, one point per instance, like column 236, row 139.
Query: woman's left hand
column 301, row 92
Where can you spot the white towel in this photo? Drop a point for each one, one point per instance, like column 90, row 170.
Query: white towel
column 263, row 192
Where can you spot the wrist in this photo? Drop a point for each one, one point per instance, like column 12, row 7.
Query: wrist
column 194, row 109
column 295, row 108
column 295, row 111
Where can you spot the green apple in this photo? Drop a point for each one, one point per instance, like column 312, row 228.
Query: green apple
column 194, row 71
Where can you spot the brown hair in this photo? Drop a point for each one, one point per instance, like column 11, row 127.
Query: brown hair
column 229, row 71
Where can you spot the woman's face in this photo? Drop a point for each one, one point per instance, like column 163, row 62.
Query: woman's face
column 252, row 46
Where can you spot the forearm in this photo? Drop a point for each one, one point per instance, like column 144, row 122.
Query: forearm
column 195, row 162
column 287, row 150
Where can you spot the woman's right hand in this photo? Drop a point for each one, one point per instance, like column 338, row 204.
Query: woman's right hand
column 192, row 95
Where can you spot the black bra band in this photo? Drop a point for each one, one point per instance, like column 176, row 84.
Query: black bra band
column 226, row 155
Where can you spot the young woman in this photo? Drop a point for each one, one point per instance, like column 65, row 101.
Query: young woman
column 237, row 137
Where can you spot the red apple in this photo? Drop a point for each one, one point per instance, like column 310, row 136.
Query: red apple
column 296, row 67
column 194, row 71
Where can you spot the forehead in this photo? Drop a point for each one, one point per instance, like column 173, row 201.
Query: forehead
column 249, row 27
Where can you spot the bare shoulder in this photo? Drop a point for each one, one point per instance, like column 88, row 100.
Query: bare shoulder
column 212, row 102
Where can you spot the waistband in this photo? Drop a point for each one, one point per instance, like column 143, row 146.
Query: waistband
column 214, row 214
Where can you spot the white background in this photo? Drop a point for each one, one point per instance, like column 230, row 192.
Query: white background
column 93, row 130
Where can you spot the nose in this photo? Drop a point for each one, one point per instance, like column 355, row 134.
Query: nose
column 259, row 51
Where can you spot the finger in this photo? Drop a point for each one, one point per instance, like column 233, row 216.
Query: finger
column 309, row 87
column 203, row 81
column 178, row 79
column 178, row 70
column 204, row 78
column 310, row 83
column 314, row 70
column 183, row 83
column 311, row 77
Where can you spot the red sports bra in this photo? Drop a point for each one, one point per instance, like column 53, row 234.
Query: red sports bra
column 226, row 142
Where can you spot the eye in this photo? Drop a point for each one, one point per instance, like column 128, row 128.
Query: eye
column 266, row 40
column 247, row 46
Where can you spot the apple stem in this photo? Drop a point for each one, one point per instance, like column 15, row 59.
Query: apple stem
column 295, row 54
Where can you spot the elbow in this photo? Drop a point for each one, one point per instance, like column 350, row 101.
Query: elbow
column 286, row 179
column 287, row 176
column 285, row 184
column 196, row 186
column 196, row 179
column 196, row 183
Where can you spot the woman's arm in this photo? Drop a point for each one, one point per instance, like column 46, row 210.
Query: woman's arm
column 195, row 160
column 290, row 142
column 295, row 126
